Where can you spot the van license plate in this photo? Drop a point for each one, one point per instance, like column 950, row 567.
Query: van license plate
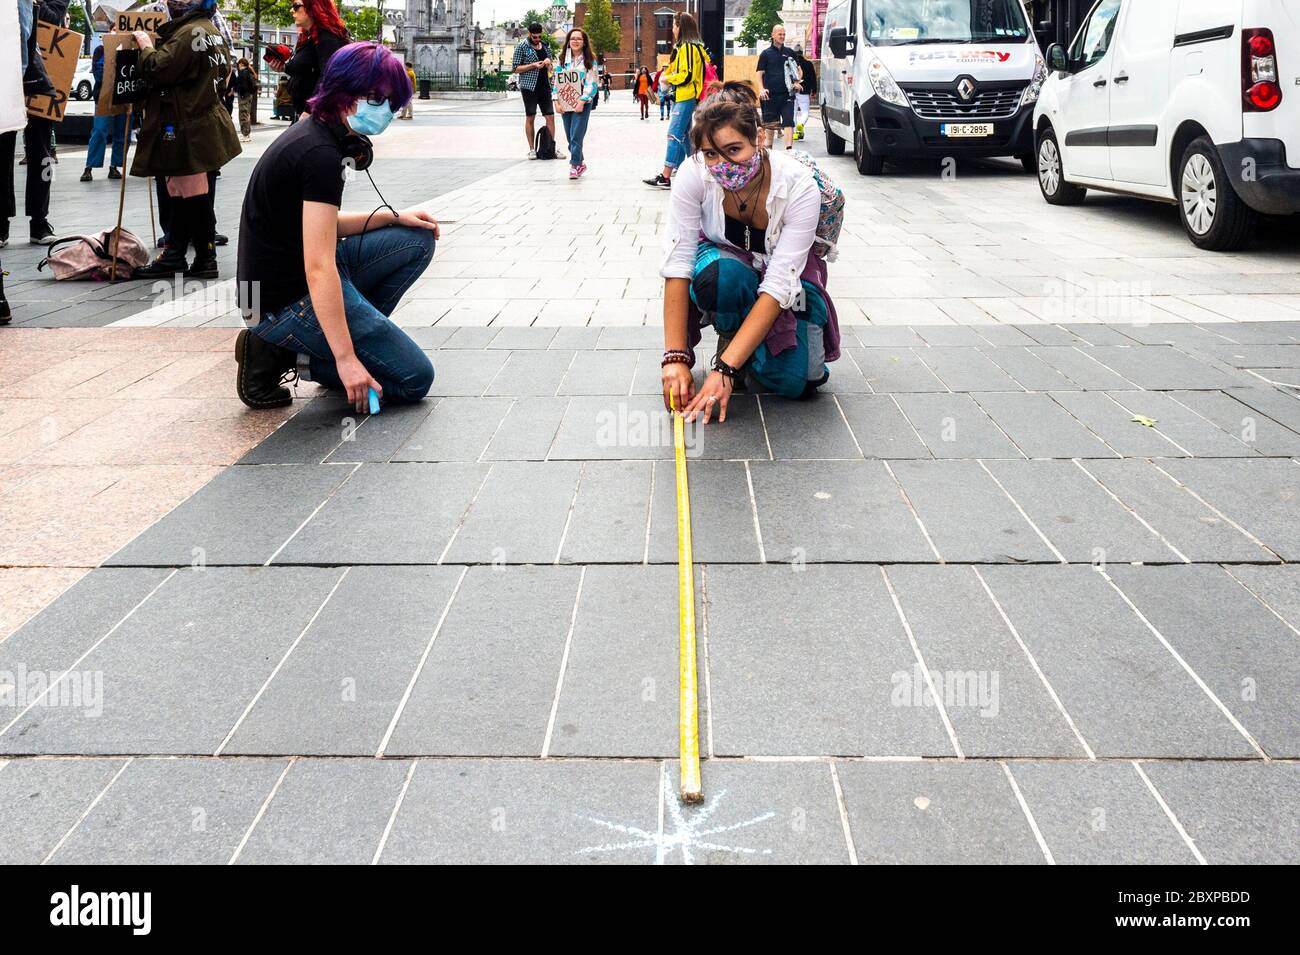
column 966, row 129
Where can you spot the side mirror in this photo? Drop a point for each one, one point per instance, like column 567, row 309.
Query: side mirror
column 841, row 43
column 1057, row 60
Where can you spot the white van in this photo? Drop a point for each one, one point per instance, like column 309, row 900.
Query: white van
column 936, row 78
column 1195, row 102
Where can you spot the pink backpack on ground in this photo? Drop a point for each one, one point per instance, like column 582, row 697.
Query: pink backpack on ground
column 91, row 256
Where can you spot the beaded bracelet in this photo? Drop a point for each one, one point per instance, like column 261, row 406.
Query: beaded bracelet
column 677, row 355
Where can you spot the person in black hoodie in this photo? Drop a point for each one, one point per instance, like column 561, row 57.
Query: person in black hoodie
column 320, row 35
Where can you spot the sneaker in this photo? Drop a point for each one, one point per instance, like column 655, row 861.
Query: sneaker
column 4, row 233
column 798, row 131
column 41, row 233
column 573, row 172
column 560, row 153
column 582, row 168
column 220, row 239
column 532, row 154
column 658, row 180
column 113, row 173
column 86, row 176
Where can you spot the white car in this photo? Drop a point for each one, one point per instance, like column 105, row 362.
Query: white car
column 83, row 83
column 1194, row 102
column 929, row 78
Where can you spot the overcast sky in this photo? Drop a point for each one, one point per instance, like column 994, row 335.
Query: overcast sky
column 489, row 11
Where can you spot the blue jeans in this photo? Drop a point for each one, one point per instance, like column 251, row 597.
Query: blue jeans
column 575, row 130
column 99, row 133
column 665, row 107
column 375, row 270
column 679, row 128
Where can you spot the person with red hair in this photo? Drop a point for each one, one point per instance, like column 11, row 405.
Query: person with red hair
column 321, row 34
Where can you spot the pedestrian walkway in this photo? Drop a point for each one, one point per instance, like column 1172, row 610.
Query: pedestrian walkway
column 1020, row 586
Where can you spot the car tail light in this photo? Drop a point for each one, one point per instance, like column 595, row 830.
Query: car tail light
column 1260, row 90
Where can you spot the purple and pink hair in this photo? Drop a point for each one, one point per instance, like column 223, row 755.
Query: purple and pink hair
column 358, row 71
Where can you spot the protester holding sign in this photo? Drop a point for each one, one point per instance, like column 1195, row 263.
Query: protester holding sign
column 321, row 34
column 576, row 89
column 185, row 132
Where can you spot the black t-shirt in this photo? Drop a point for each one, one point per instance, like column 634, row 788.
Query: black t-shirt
column 304, row 164
column 771, row 63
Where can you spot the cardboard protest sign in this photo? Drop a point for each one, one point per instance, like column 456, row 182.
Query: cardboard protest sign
column 13, row 114
column 122, row 84
column 568, row 90
column 128, row 21
column 59, row 49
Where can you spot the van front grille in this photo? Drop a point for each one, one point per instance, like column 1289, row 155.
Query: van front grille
column 932, row 102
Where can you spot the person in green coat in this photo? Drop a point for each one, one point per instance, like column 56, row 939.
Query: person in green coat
column 186, row 135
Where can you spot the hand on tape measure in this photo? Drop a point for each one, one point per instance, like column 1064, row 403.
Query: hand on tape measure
column 679, row 385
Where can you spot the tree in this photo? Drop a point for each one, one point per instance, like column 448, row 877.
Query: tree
column 362, row 22
column 762, row 16
column 599, row 24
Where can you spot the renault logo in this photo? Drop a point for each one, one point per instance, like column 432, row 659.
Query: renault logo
column 966, row 88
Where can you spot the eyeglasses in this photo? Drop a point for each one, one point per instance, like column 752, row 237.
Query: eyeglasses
column 297, row 6
column 375, row 100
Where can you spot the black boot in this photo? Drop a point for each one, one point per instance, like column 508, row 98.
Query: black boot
column 171, row 262
column 203, row 231
column 5, row 314
column 262, row 367
column 205, row 263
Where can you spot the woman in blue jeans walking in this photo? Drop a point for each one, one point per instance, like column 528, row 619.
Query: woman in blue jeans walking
column 576, row 74
column 686, row 75
column 317, row 285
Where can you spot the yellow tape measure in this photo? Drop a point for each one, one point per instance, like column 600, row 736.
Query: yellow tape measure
column 688, row 718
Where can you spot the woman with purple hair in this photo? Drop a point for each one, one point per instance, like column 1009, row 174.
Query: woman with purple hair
column 317, row 285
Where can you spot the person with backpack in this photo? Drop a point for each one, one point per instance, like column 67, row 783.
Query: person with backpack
column 687, row 76
column 578, row 59
column 532, row 64
column 747, row 238
column 245, row 84
column 779, row 81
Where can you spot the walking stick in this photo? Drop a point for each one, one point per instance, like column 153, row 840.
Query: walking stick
column 121, row 197
column 153, row 228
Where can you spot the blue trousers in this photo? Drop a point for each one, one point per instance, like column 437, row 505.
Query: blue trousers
column 99, row 133
column 725, row 288
column 575, row 130
column 376, row 270
column 679, row 128
column 665, row 107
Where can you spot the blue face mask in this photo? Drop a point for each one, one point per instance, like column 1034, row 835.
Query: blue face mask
column 369, row 119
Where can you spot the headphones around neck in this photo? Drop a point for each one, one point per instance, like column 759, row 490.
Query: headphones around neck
column 358, row 150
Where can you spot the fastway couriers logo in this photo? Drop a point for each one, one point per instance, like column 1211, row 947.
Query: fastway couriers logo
column 961, row 56
column 103, row 908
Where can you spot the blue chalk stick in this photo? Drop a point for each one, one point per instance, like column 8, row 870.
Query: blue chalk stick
column 374, row 401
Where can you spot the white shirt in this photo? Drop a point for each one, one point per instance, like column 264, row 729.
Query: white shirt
column 793, row 206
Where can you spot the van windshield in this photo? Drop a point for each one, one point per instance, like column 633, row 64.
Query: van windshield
column 903, row 22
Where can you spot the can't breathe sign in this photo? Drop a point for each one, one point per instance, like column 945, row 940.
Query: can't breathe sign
column 59, row 49
column 123, row 85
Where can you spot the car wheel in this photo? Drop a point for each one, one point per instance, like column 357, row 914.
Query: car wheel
column 1213, row 214
column 834, row 145
column 1051, row 173
column 83, row 90
column 869, row 163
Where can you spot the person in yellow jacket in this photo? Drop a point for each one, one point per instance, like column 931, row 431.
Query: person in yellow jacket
column 408, row 111
column 686, row 74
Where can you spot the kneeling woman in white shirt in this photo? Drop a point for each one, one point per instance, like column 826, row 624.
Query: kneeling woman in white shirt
column 739, row 255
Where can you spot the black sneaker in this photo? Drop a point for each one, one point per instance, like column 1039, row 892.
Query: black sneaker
column 86, row 176
column 220, row 239
column 113, row 173
column 263, row 368
column 4, row 233
column 41, row 233
column 662, row 181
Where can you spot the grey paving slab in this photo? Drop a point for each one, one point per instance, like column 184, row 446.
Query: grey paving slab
column 489, row 680
column 338, row 690
column 881, row 428
column 378, row 437
column 53, row 639
column 1247, row 656
column 1251, row 356
column 722, row 514
column 1041, row 428
column 572, row 338
column 611, row 513
column 1028, row 369
column 632, row 338
column 242, row 516
column 1084, row 522
column 512, row 811
column 1077, row 365
column 1183, row 426
column 1125, row 691
column 814, row 428
column 996, row 703
column 619, row 695
column 1114, row 424
column 173, row 812
column 1277, row 586
column 1003, row 336
column 1099, row 813
column 1257, row 333
column 41, row 799
column 1162, row 368
column 532, row 372
column 966, row 369
column 890, row 370
column 1235, row 813
column 945, row 336
column 1259, row 495
column 388, row 514
column 1097, row 333
column 176, row 676
column 1253, row 428
column 775, row 813
column 618, row 428
column 804, row 662
column 647, row 379
column 599, row 373
column 513, row 337
column 968, row 517
column 464, row 371
column 1197, row 531
column 1184, row 335
column 822, row 511
column 458, row 429
column 882, row 336
column 519, row 515
column 327, row 812
column 954, row 426
column 470, row 336
column 935, row 813
column 846, row 378
column 527, row 431
column 1282, row 406
column 743, row 436
column 1048, row 334
column 309, row 436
